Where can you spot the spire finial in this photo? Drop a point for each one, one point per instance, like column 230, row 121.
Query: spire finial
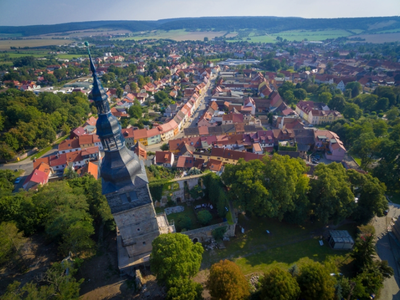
column 92, row 67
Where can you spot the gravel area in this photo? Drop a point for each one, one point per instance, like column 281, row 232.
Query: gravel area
column 174, row 210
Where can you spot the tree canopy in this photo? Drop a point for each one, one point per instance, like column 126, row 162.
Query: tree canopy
column 227, row 282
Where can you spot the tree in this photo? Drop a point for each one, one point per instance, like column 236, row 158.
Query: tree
column 227, row 282
column 56, row 283
column 247, row 190
column 300, row 94
column 204, row 217
column 184, row 289
column 289, row 97
column 391, row 114
column 355, row 88
column 352, row 110
column 196, row 192
column 325, row 97
column 182, row 74
column 337, row 103
column 119, row 92
column 161, row 96
column 315, row 282
column 330, row 195
column 175, row 256
column 11, row 242
column 365, row 147
column 279, row 285
column 135, row 111
column 164, row 147
column 133, row 86
column 364, row 251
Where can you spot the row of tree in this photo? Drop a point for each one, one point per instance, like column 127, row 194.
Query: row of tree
column 175, row 260
column 278, row 187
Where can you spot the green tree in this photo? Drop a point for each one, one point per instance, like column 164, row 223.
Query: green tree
column 11, row 242
column 337, row 103
column 352, row 110
column 133, row 86
column 119, row 92
column 391, row 114
column 330, row 195
column 135, row 111
column 278, row 284
column 174, row 256
column 184, row 289
column 300, row 94
column 289, row 97
column 315, row 282
column 355, row 88
column 196, row 192
column 325, row 97
column 164, row 147
column 227, row 282
column 204, row 217
column 365, row 147
column 364, row 251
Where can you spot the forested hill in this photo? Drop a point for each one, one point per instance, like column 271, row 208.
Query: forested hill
column 270, row 24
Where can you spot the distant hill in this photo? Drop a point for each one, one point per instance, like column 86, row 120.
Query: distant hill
column 269, row 24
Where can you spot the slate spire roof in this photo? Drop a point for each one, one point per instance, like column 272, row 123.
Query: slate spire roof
column 120, row 169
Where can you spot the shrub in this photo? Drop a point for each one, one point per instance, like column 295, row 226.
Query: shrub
column 204, row 217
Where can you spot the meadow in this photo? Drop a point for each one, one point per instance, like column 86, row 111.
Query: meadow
column 7, row 44
column 177, row 35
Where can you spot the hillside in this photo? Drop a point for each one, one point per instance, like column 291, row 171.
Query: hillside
column 268, row 24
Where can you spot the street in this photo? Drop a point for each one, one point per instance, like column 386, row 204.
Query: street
column 385, row 249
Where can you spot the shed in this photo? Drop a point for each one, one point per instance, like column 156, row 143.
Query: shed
column 340, row 240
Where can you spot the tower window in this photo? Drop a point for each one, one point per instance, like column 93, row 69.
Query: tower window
column 138, row 229
column 144, row 243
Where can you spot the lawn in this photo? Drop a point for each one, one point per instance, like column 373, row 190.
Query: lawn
column 257, row 251
column 191, row 213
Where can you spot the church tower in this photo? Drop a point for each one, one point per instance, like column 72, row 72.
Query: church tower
column 125, row 185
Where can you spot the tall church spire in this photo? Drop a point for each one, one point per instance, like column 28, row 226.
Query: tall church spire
column 120, row 167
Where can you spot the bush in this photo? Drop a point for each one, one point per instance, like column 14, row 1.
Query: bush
column 218, row 233
column 184, row 223
column 204, row 217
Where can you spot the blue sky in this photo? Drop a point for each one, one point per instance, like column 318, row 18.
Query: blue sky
column 33, row 12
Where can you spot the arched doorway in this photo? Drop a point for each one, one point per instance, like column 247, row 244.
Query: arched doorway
column 195, row 240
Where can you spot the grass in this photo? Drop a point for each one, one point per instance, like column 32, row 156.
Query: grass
column 21, row 53
column 7, row 44
column 178, row 35
column 39, row 154
column 191, row 213
column 287, row 244
column 357, row 159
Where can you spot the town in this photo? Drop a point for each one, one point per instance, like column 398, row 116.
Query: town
column 271, row 162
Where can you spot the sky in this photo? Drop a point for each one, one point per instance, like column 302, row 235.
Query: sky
column 34, row 12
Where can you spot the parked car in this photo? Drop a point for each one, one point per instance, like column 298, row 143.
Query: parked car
column 18, row 180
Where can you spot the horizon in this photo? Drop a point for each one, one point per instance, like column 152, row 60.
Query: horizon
column 156, row 20
column 49, row 12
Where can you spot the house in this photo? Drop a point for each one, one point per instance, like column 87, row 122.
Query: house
column 39, row 176
column 257, row 148
column 89, row 168
column 140, row 150
column 153, row 136
column 77, row 132
column 214, row 165
column 232, row 118
column 329, row 143
column 316, row 113
column 128, row 134
column 140, row 135
column 164, row 158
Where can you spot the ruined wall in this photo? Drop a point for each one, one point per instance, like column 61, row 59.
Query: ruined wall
column 204, row 234
column 175, row 190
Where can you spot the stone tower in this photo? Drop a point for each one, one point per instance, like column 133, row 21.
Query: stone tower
column 125, row 185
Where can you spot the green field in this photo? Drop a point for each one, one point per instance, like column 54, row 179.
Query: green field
column 390, row 30
column 21, row 53
column 296, row 35
column 177, row 35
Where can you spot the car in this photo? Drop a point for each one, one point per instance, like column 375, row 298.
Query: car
column 386, row 212
column 18, row 180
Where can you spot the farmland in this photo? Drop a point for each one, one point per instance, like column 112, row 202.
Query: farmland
column 177, row 35
column 380, row 38
column 7, row 44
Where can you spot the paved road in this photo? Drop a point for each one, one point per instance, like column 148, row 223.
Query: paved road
column 391, row 289
column 204, row 100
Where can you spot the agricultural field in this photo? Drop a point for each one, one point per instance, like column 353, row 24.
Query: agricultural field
column 38, row 53
column 379, row 38
column 7, row 44
column 177, row 35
